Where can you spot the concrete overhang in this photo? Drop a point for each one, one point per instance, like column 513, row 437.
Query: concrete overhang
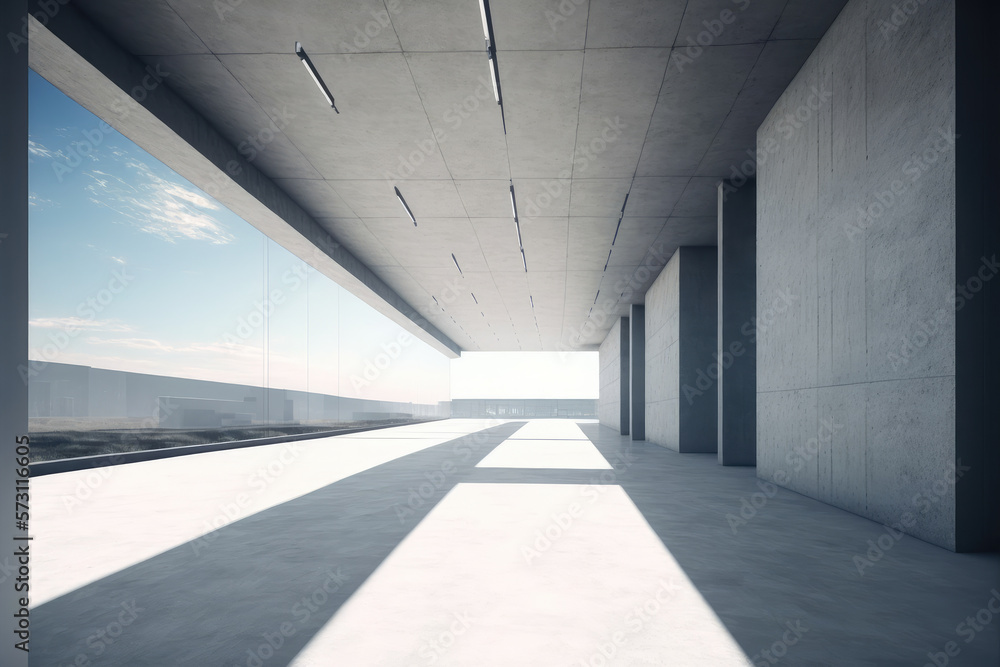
column 655, row 99
column 80, row 60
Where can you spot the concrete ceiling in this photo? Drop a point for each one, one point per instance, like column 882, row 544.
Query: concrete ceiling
column 601, row 98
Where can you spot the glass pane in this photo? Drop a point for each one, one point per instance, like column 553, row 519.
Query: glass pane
column 160, row 318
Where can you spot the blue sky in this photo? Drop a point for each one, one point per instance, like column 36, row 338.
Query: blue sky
column 134, row 268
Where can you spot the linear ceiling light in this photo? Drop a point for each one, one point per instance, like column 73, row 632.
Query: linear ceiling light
column 486, row 15
column 494, row 76
column 402, row 201
column 301, row 53
column 517, row 223
column 486, row 24
column 524, row 261
column 620, row 216
column 513, row 201
column 456, row 263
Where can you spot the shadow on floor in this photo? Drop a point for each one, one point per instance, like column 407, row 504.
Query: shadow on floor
column 227, row 600
column 255, row 591
column 792, row 560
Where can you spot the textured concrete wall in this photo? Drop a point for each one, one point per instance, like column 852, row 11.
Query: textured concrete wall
column 680, row 314
column 856, row 272
column 663, row 357
column 613, row 401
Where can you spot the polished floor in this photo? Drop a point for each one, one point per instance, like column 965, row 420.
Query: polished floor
column 476, row 543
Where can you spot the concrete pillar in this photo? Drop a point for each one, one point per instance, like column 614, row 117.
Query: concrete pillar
column 698, row 332
column 637, row 370
column 680, row 345
column 737, row 347
column 13, row 287
column 625, row 393
column 977, row 304
column 613, row 402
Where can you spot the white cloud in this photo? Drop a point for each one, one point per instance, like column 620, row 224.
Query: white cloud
column 211, row 350
column 40, row 202
column 73, row 322
column 167, row 209
column 38, row 149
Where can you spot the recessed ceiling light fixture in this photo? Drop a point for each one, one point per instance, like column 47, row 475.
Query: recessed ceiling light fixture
column 304, row 57
column 402, row 201
column 474, row 297
column 456, row 263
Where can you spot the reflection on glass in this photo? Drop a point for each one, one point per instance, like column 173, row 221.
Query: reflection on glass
column 158, row 318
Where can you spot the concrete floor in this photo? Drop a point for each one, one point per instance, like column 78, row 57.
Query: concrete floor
column 407, row 547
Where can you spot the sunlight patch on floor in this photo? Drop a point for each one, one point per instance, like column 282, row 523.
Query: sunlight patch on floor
column 569, row 454
column 549, row 429
column 527, row 574
column 88, row 524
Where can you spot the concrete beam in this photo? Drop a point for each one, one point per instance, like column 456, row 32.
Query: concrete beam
column 737, row 347
column 136, row 99
column 637, row 371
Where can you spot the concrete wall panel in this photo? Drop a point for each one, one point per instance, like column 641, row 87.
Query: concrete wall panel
column 842, row 463
column 609, row 401
column 662, row 303
column 856, row 217
column 909, row 469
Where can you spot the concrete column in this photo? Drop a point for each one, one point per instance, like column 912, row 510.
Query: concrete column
column 13, row 288
column 613, row 403
column 737, row 347
column 625, row 393
column 637, row 370
column 680, row 345
column 698, row 332
column 977, row 303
